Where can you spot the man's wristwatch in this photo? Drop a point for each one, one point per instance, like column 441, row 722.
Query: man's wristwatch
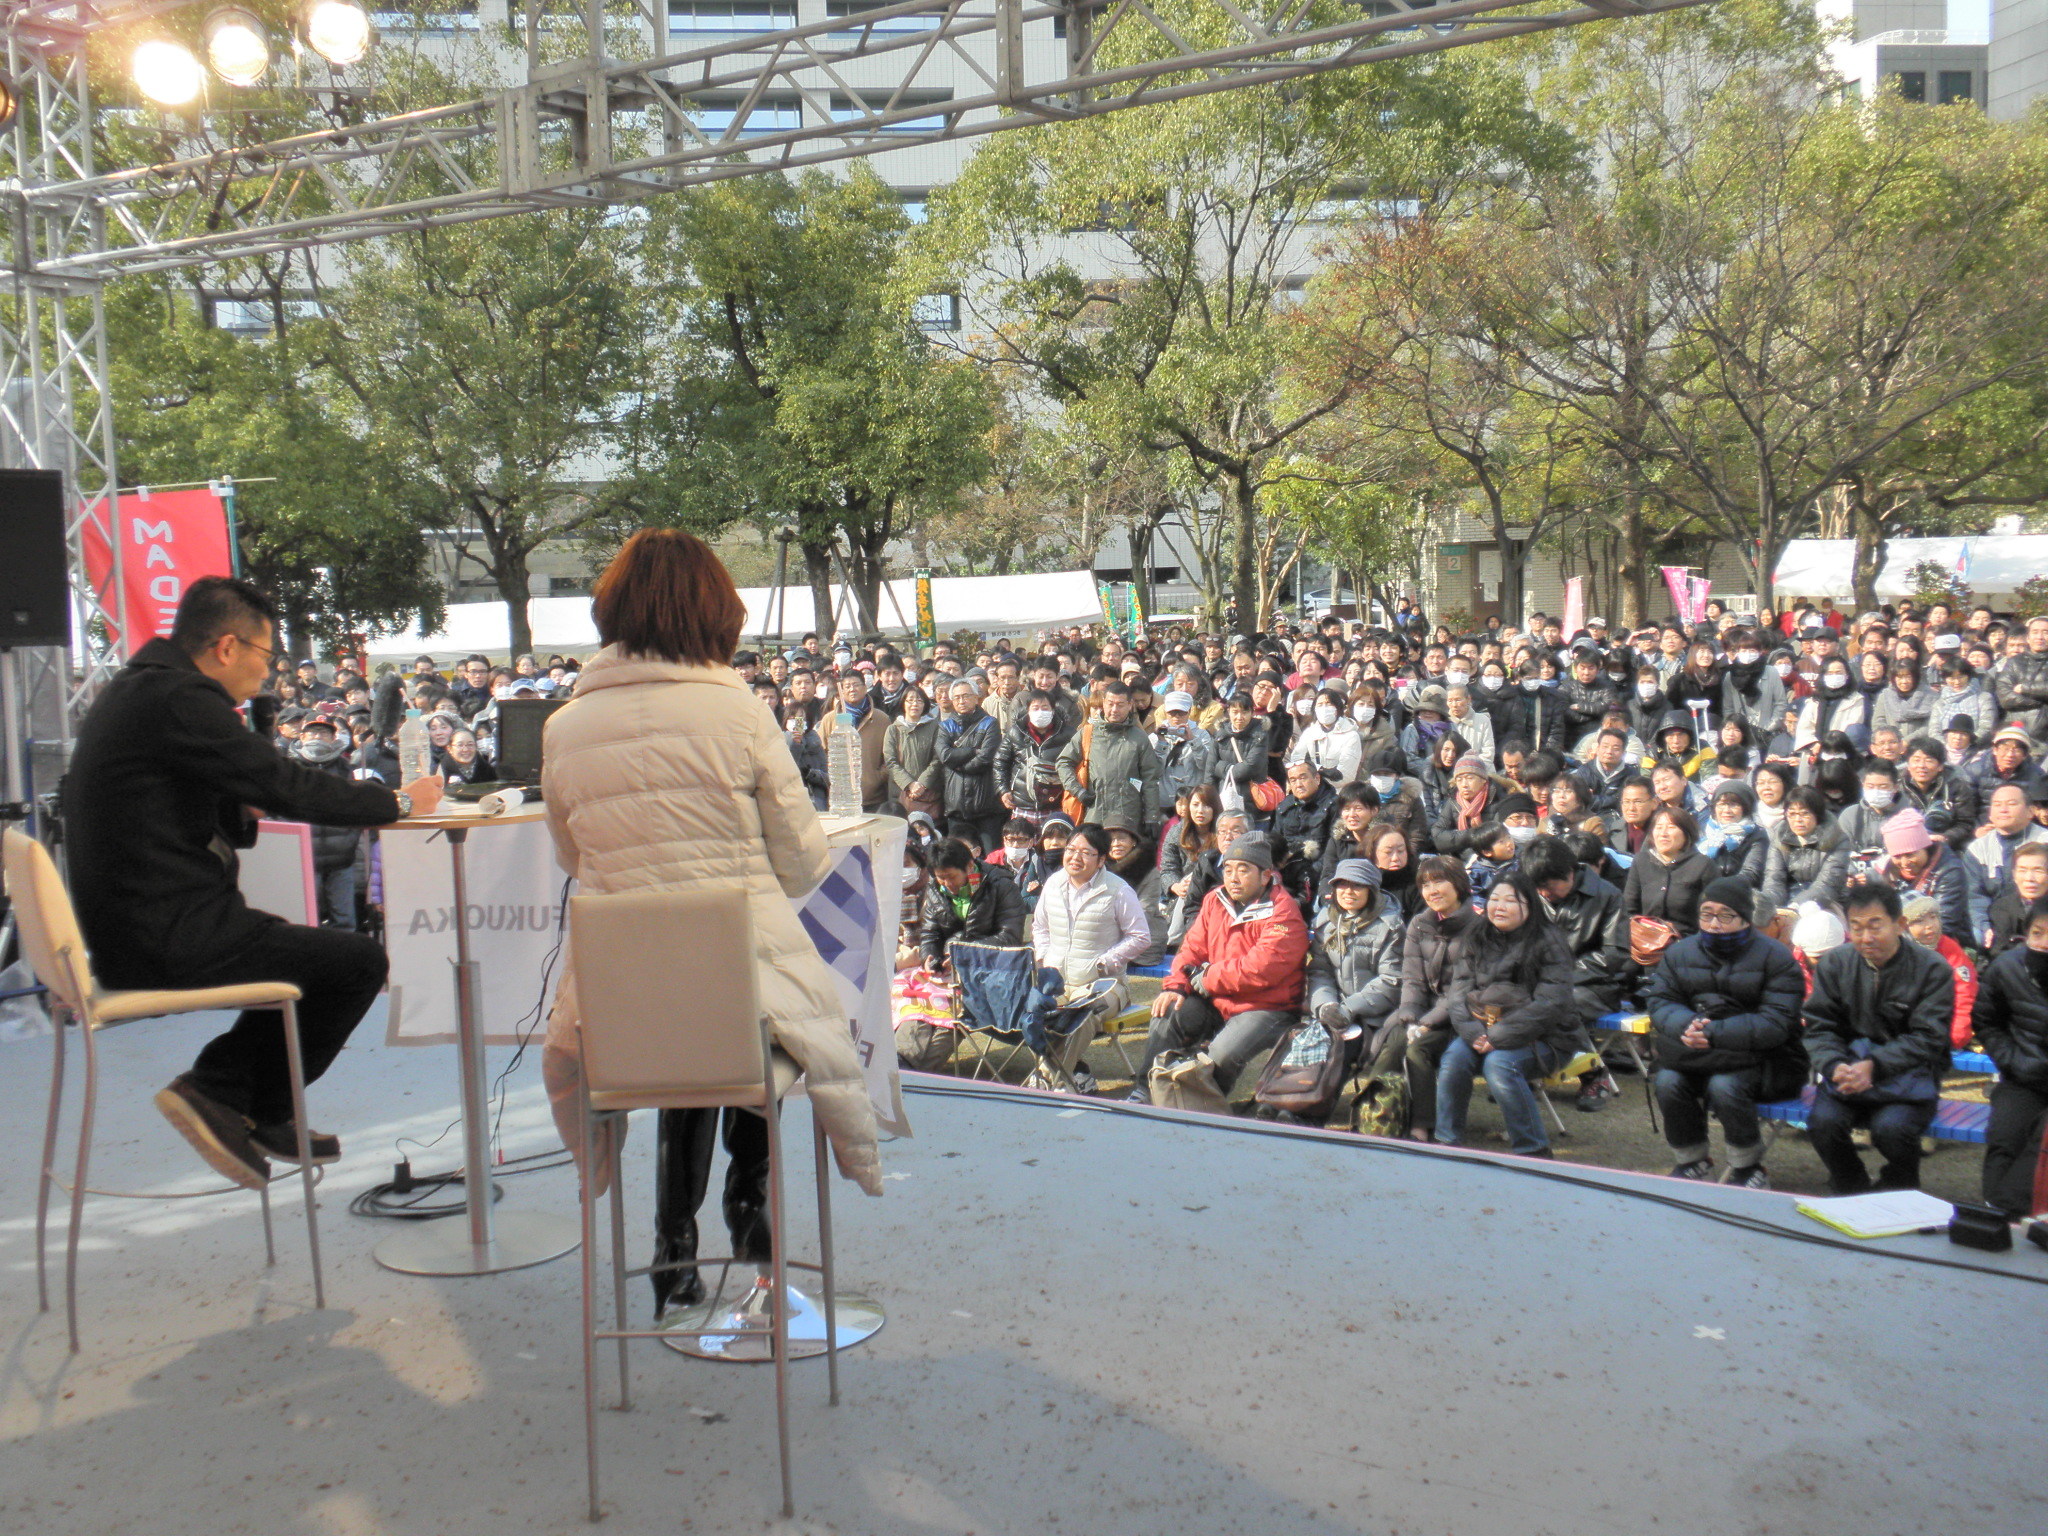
column 404, row 803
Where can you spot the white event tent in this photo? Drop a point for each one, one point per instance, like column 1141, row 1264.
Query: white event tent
column 994, row 605
column 1991, row 564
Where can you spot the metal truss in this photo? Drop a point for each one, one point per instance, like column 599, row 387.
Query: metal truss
column 595, row 129
column 603, row 116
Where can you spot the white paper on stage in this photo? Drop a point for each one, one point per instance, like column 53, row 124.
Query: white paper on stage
column 276, row 876
column 516, row 896
column 515, row 917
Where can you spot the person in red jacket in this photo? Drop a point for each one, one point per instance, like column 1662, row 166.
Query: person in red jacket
column 1236, row 982
column 1923, row 922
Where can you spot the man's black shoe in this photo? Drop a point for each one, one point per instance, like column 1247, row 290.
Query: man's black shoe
column 216, row 1133
column 281, row 1141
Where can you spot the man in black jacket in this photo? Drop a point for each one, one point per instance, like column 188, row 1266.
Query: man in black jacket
column 1587, row 911
column 969, row 900
column 1725, row 1006
column 165, row 783
column 1877, row 1027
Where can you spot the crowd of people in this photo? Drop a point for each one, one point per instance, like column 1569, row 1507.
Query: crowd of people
column 1809, row 847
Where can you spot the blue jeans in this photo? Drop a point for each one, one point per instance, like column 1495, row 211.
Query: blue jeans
column 1509, row 1074
column 1895, row 1131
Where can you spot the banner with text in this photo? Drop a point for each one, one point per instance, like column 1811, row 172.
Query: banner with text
column 168, row 539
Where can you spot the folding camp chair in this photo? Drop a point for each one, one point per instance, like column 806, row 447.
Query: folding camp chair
column 998, row 992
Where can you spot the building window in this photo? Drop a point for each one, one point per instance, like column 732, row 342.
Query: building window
column 730, row 17
column 916, row 208
column 256, row 317
column 852, row 10
column 1953, row 85
column 714, row 118
column 1912, row 84
column 852, row 109
column 439, row 16
column 937, row 312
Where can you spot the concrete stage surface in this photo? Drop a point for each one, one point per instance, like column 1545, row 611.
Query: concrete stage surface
column 1100, row 1322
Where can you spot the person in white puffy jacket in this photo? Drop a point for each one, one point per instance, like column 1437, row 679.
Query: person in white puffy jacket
column 1329, row 742
column 665, row 773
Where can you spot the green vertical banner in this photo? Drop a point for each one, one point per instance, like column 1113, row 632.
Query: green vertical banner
column 1106, row 592
column 927, row 625
column 1138, row 619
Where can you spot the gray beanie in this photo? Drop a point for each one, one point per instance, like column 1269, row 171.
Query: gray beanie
column 1255, row 851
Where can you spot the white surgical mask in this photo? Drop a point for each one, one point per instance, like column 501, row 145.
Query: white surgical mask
column 1877, row 799
column 1647, row 690
column 1783, row 669
column 1491, row 682
column 1531, row 684
column 1457, row 677
column 1835, row 679
column 1303, row 706
column 1522, row 834
column 1363, row 713
column 1384, row 784
column 1748, row 658
column 1326, row 715
column 1039, row 718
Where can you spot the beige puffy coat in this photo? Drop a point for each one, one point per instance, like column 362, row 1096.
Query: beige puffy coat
column 667, row 776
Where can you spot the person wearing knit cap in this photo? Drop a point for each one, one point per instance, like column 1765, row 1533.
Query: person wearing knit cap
column 1724, row 1006
column 1919, row 862
column 1472, row 804
column 1354, row 962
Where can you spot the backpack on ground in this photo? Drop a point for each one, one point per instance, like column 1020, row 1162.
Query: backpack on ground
column 1382, row 1106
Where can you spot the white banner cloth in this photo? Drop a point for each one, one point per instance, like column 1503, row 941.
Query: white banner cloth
column 517, row 913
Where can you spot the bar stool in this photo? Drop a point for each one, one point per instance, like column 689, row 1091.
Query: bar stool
column 55, row 949
column 671, row 1020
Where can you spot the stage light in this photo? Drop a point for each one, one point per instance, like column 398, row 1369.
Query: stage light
column 338, row 30
column 10, row 104
column 236, row 46
column 167, row 73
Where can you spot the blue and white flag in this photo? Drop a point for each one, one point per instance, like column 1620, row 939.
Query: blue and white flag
column 840, row 916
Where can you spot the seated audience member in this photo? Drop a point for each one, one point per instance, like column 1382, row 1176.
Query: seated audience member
column 2026, row 883
column 1731, row 838
column 1725, row 1006
column 2011, row 1023
column 1661, row 901
column 1399, row 797
column 1413, row 1039
column 1020, row 859
column 1923, row 926
column 1354, row 957
column 1300, row 829
column 1492, row 855
column 1877, row 1025
column 1809, row 857
column 1088, row 925
column 1586, row 911
column 1136, row 862
column 1236, row 982
column 1920, row 863
column 1510, row 1003
column 970, row 900
column 2010, row 825
column 1355, row 806
column 1473, row 803
column 1187, row 866
column 1948, row 801
column 1394, row 857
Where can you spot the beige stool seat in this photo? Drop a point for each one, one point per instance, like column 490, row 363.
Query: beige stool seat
column 55, row 949
column 669, row 1021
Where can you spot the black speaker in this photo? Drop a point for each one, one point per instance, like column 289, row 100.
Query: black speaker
column 35, row 596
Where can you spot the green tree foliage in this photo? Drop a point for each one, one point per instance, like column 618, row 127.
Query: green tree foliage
column 325, row 535
column 791, row 383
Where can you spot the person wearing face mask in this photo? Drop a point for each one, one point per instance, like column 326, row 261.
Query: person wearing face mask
column 1646, row 705
column 1470, row 722
column 1375, row 722
column 1835, row 705
column 1753, row 689
column 1724, row 1005
column 1187, row 753
column 1399, row 796
column 1878, row 801
column 1538, row 716
column 335, row 849
column 1027, row 763
column 1328, row 741
column 1429, row 720
column 2010, row 1021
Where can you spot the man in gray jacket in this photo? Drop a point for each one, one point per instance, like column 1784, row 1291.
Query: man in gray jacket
column 2020, row 683
column 1123, row 770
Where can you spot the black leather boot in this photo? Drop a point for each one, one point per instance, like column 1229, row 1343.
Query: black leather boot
column 682, row 1174
column 746, row 1187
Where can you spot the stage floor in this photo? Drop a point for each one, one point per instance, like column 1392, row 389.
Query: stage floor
column 1099, row 1322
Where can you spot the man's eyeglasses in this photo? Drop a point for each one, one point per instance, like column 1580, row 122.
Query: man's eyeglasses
column 269, row 652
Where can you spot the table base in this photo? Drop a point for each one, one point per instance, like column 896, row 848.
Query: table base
column 859, row 1318
column 522, row 1239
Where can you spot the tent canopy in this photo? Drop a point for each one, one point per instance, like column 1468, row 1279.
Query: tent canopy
column 998, row 606
column 1991, row 564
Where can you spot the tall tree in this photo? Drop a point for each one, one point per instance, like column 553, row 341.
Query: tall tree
column 794, row 384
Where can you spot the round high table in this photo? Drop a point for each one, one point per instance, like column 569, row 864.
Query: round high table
column 485, row 1242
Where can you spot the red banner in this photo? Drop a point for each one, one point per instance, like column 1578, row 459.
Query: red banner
column 169, row 539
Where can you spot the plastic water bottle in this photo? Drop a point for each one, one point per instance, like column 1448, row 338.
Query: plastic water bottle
column 415, row 761
column 842, row 767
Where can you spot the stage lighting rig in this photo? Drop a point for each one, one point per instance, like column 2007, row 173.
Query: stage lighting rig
column 338, row 30
column 168, row 73
column 237, row 46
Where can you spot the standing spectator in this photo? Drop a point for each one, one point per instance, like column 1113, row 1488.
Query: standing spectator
column 804, row 747
column 1990, row 855
column 968, row 739
column 471, row 690
column 872, row 726
column 1510, row 1000
column 2020, row 683
column 1725, row 1007
column 1186, row 752
column 334, row 848
column 1236, row 982
column 1241, row 755
column 1110, row 766
column 1877, row 1025
column 2011, row 1023
column 910, row 753
column 1027, row 765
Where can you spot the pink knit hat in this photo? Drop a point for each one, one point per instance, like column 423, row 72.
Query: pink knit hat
column 1907, row 833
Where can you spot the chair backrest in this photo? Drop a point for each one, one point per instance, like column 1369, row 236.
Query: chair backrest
column 50, row 939
column 666, row 993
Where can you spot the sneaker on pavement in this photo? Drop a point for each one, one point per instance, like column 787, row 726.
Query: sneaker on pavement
column 1694, row 1170
column 1138, row 1095
column 218, row 1134
column 1595, row 1094
column 1752, row 1177
column 281, row 1141
column 1084, row 1080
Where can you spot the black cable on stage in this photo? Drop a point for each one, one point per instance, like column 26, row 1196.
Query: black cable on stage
column 1534, row 1168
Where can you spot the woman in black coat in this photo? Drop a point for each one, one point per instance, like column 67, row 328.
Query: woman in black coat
column 1415, row 1034
column 2010, row 1020
column 1665, row 883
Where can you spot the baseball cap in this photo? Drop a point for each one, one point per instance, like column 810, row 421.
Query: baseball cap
column 1182, row 703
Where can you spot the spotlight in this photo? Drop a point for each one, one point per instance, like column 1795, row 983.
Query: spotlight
column 10, row 104
column 236, row 46
column 167, row 73
column 338, row 30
